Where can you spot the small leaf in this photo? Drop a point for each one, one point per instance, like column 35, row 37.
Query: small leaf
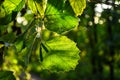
column 78, row 6
column 19, row 45
column 63, row 56
column 37, row 6
column 6, row 75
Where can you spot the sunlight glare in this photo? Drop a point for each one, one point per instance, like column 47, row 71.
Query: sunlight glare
column 99, row 7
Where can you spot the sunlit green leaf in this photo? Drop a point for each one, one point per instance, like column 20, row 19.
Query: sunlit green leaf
column 37, row 6
column 13, row 5
column 59, row 16
column 6, row 75
column 9, row 10
column 78, row 6
column 63, row 55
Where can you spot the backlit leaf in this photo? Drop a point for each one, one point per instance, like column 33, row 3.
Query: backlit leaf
column 78, row 6
column 63, row 55
column 37, row 6
column 9, row 10
column 59, row 16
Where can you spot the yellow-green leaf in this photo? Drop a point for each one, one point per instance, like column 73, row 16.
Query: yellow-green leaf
column 37, row 6
column 9, row 10
column 63, row 55
column 78, row 6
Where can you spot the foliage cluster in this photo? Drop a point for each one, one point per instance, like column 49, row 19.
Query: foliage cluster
column 32, row 35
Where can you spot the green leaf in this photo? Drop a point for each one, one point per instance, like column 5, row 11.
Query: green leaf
column 59, row 16
column 37, row 6
column 6, row 75
column 9, row 10
column 10, row 37
column 13, row 5
column 19, row 45
column 63, row 55
column 78, row 6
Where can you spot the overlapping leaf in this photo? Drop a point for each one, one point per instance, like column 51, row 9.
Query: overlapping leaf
column 9, row 10
column 58, row 16
column 63, row 55
column 37, row 6
column 58, row 53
